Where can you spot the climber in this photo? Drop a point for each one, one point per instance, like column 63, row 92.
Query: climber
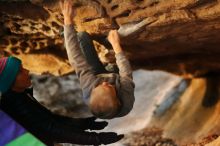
column 108, row 95
column 17, row 101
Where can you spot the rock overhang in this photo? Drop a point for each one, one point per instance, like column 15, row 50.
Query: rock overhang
column 183, row 38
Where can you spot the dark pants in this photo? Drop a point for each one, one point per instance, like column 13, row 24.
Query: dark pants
column 88, row 49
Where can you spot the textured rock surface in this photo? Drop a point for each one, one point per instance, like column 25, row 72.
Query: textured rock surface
column 60, row 94
column 189, row 117
column 183, row 39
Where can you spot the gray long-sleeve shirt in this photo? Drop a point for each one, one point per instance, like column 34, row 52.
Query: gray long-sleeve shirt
column 88, row 80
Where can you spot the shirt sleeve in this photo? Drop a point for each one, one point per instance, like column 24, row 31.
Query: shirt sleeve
column 126, row 96
column 123, row 65
column 76, row 58
column 127, row 85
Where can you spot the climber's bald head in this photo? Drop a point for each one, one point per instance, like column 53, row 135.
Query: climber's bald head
column 104, row 102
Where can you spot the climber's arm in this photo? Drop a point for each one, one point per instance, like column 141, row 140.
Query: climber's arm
column 121, row 60
column 75, row 55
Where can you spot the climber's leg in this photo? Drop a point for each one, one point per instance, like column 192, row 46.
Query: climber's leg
column 90, row 53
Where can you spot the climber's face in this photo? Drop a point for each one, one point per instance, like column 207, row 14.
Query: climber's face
column 22, row 80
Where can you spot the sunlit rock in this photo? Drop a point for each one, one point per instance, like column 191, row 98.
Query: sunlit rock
column 183, row 38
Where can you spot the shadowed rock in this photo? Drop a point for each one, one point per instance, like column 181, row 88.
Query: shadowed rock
column 183, row 39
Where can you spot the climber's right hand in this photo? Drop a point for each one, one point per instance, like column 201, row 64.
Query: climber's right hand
column 68, row 11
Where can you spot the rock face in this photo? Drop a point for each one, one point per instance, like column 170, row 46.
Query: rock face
column 182, row 38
